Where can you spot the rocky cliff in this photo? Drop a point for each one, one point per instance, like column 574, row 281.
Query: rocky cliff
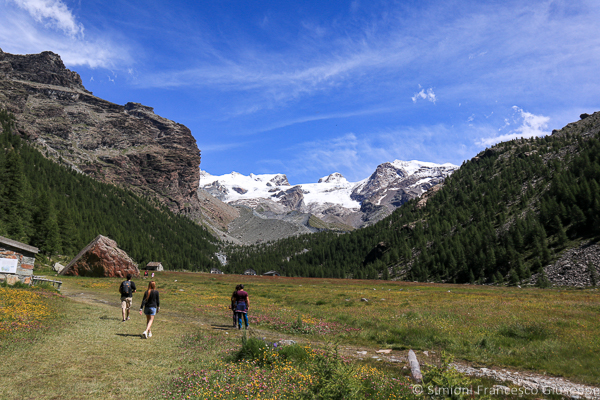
column 125, row 145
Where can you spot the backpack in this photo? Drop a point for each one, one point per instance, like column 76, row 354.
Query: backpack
column 125, row 288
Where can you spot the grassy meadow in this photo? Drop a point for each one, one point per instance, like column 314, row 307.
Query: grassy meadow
column 73, row 344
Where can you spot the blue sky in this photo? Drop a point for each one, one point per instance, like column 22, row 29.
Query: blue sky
column 308, row 88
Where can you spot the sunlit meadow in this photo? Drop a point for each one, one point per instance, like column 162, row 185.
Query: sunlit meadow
column 549, row 331
column 556, row 331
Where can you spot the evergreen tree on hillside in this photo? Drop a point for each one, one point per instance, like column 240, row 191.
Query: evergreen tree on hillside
column 506, row 213
column 59, row 210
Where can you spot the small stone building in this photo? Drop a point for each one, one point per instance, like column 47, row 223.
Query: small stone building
column 154, row 266
column 249, row 271
column 16, row 261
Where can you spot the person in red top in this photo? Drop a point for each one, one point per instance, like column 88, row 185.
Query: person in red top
column 241, row 308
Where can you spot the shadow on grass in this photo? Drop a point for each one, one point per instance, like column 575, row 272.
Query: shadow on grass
column 223, row 327
column 107, row 317
column 137, row 335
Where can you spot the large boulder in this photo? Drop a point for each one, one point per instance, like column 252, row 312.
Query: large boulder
column 102, row 258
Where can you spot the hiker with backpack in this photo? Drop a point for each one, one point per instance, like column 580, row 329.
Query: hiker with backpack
column 127, row 289
column 151, row 306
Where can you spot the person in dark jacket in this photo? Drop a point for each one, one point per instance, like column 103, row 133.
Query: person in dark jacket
column 127, row 289
column 242, row 303
column 150, row 306
column 233, row 304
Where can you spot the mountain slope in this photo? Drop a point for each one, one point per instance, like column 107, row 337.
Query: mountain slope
column 60, row 211
column 510, row 212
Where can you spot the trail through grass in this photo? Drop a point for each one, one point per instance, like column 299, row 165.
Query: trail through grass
column 90, row 353
column 94, row 355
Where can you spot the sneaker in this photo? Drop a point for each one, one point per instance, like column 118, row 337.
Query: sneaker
column 145, row 335
column 128, row 318
column 149, row 334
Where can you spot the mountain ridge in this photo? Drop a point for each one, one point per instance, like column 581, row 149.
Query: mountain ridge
column 333, row 198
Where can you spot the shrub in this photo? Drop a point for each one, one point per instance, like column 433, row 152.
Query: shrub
column 445, row 382
column 266, row 354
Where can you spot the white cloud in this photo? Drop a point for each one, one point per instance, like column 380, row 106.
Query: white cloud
column 429, row 95
column 54, row 13
column 33, row 26
column 320, row 117
column 531, row 126
column 380, row 55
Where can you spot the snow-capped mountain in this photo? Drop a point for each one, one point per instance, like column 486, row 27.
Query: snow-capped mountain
column 332, row 199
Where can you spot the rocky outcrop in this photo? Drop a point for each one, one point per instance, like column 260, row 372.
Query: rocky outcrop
column 427, row 195
column 102, row 258
column 125, row 145
column 46, row 68
column 393, row 184
column 336, row 177
column 292, row 198
column 579, row 266
column 279, row 180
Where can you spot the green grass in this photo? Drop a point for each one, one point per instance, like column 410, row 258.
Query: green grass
column 87, row 352
column 82, row 349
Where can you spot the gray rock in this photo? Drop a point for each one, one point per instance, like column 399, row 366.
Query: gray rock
column 58, row 267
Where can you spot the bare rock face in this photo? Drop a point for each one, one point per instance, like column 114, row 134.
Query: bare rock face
column 292, row 198
column 102, row 258
column 125, row 145
column 280, row 180
column 219, row 213
column 46, row 68
column 393, row 184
